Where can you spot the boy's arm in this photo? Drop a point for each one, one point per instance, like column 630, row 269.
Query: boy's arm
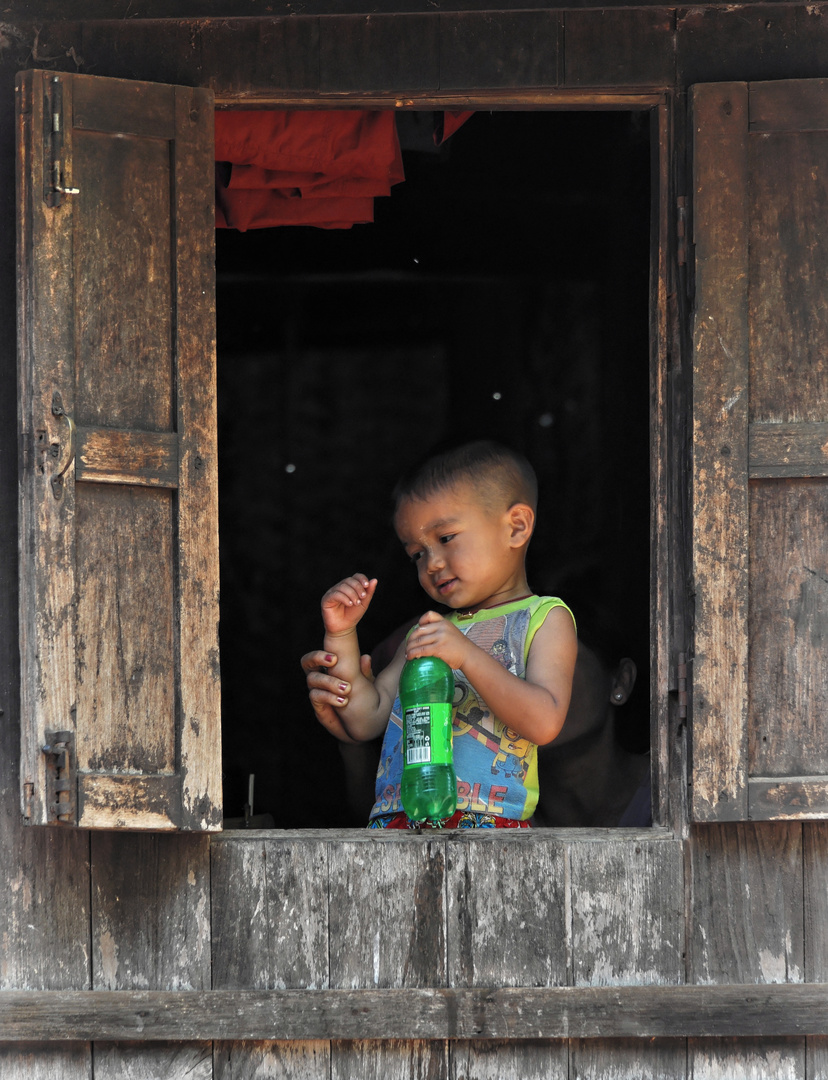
column 368, row 706
column 534, row 707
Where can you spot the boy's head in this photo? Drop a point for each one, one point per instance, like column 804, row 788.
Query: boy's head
column 465, row 518
column 499, row 476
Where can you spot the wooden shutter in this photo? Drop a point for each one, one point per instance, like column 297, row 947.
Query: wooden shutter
column 760, row 449
column 118, row 492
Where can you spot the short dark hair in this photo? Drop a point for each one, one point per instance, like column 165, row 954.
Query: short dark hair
column 501, row 476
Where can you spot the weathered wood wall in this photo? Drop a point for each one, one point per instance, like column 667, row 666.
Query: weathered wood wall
column 729, row 904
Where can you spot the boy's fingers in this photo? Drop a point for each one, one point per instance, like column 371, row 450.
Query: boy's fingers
column 430, row 617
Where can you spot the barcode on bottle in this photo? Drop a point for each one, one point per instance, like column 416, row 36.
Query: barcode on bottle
column 418, row 755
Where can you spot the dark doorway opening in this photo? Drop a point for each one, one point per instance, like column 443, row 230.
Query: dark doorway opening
column 502, row 291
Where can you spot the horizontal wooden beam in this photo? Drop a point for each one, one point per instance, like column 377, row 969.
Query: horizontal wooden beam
column 788, row 450
column 108, row 456
column 511, row 1013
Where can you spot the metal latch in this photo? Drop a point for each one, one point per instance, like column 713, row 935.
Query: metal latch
column 61, row 776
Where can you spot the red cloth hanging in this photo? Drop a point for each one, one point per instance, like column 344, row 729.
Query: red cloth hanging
column 314, row 167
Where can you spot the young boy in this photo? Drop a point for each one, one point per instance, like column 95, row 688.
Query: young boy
column 465, row 519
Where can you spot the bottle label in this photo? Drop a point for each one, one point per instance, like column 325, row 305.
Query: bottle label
column 428, row 734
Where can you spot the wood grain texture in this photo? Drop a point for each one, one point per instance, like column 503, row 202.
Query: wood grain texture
column 500, row 49
column 627, row 914
column 198, row 551
column 139, row 1061
column 380, row 52
column 747, row 904
column 387, row 913
column 788, row 720
column 789, row 105
column 409, row 1015
column 390, row 1059
column 746, row 1059
column 540, row 1059
column 628, row 1059
column 274, row 1060
column 507, row 933
column 46, row 349
column 239, row 918
column 39, row 1061
column 121, row 595
column 752, row 42
column 150, row 912
column 788, row 261
column 614, row 48
column 720, row 437
column 788, row 450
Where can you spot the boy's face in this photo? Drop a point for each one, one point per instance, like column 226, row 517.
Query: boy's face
column 463, row 551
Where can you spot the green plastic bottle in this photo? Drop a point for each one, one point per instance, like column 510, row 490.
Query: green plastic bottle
column 429, row 783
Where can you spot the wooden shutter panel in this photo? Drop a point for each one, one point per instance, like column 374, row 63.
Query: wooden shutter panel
column 760, row 449
column 119, row 551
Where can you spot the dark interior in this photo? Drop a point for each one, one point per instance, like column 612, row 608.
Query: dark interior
column 501, row 292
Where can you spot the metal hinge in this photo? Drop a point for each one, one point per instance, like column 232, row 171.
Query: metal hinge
column 681, row 229
column 61, row 776
column 53, row 166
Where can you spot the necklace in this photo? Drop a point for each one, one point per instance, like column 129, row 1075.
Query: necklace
column 487, row 607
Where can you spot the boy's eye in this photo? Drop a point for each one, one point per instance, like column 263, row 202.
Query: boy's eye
column 445, row 539
column 415, row 556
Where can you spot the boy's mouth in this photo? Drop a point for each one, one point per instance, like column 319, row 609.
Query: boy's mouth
column 444, row 586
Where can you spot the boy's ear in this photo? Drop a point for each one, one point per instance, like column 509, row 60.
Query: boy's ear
column 521, row 518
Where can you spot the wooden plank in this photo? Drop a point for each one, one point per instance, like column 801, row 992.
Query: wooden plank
column 127, row 457
column 788, row 259
column 150, row 913
column 198, row 551
column 769, row 1010
column 42, row 1061
column 500, row 49
column 515, row 1059
column 788, row 682
column 165, row 51
column 387, row 914
column 815, row 852
column 391, row 1059
column 299, row 914
column 620, row 48
column 240, row 931
column 46, row 347
column 788, row 450
column 484, row 948
column 270, row 929
column 126, row 679
column 270, row 54
column 276, row 1059
column 379, row 52
column 731, row 1059
column 628, row 1059
column 627, row 914
column 747, row 903
column 753, row 42
column 138, row 1061
column 128, row 802
column 800, row 797
column 789, row 104
column 720, row 435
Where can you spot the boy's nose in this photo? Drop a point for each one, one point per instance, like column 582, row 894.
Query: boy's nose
column 435, row 560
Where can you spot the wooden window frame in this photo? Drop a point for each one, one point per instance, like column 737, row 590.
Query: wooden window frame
column 669, row 628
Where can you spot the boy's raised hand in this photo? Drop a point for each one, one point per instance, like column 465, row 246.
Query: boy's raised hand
column 345, row 604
